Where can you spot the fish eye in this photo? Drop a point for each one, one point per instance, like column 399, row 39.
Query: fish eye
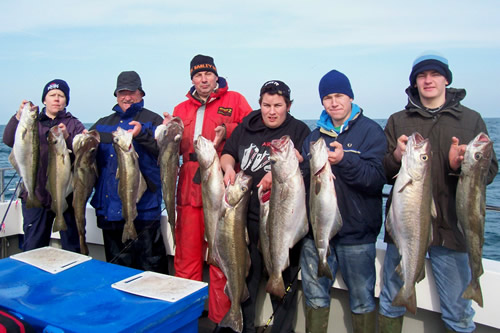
column 478, row 156
column 424, row 157
column 244, row 189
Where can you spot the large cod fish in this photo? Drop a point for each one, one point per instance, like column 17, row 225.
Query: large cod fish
column 324, row 212
column 131, row 183
column 168, row 138
column 231, row 247
column 212, row 190
column 471, row 205
column 287, row 210
column 25, row 154
column 409, row 217
column 84, row 177
column 60, row 177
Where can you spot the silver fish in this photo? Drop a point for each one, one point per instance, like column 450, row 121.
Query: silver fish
column 231, row 247
column 131, row 183
column 263, row 228
column 287, row 210
column 324, row 212
column 60, row 177
column 25, row 154
column 471, row 206
column 168, row 138
column 84, row 177
column 409, row 217
column 212, row 189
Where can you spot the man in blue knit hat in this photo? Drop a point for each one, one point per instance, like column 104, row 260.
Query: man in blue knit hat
column 435, row 112
column 357, row 145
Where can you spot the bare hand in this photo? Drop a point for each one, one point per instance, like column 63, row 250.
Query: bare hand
column 334, row 157
column 299, row 157
column 400, row 148
column 266, row 182
column 220, row 134
column 137, row 128
column 229, row 176
column 167, row 117
column 20, row 111
column 64, row 130
column 456, row 154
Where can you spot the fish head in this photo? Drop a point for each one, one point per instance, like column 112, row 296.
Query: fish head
column 175, row 128
column 318, row 156
column 29, row 114
column 241, row 189
column 205, row 151
column 478, row 154
column 122, row 139
column 55, row 136
column 282, row 157
column 417, row 157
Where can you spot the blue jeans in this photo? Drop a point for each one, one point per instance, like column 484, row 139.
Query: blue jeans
column 357, row 265
column 452, row 275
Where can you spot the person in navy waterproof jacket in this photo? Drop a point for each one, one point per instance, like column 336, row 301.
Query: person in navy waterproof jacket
column 147, row 252
column 357, row 146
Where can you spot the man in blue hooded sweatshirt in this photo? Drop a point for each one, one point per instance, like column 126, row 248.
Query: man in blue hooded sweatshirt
column 357, row 146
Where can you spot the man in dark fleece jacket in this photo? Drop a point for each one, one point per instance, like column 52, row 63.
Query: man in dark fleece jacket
column 436, row 113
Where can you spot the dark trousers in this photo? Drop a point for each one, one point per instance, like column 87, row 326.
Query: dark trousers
column 146, row 253
column 37, row 226
column 284, row 311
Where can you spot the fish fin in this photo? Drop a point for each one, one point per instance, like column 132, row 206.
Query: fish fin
column 276, row 286
column 433, row 209
column 233, row 319
column 410, row 303
column 59, row 224
column 117, row 173
column 12, row 160
column 324, row 269
column 474, row 292
column 409, row 182
column 142, row 187
column 129, row 232
column 317, row 186
column 421, row 276
column 399, row 271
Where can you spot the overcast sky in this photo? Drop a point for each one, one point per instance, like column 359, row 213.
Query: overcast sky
column 88, row 43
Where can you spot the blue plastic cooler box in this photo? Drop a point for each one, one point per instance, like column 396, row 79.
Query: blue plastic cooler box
column 81, row 299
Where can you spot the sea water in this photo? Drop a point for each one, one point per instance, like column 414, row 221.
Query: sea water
column 491, row 249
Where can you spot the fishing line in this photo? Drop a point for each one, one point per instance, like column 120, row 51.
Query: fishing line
column 287, row 290
column 129, row 244
column 6, row 186
column 2, row 225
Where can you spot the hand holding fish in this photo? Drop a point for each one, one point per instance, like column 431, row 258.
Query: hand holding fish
column 167, row 117
column 400, row 148
column 456, row 154
column 137, row 128
column 266, row 182
column 20, row 110
column 220, row 134
column 299, row 157
column 335, row 156
column 64, row 130
column 229, row 175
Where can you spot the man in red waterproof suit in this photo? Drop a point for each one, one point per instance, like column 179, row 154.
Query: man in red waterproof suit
column 212, row 111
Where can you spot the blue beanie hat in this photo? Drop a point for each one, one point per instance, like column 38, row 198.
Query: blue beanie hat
column 427, row 62
column 56, row 84
column 334, row 82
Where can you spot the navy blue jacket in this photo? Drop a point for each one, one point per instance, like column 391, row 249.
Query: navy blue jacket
column 106, row 201
column 359, row 176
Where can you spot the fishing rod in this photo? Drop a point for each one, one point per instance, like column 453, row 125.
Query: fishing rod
column 2, row 225
column 6, row 186
column 287, row 292
column 129, row 244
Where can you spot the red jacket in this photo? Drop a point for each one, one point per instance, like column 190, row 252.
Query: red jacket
column 222, row 107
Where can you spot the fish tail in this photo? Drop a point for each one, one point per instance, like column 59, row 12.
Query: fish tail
column 474, row 292
column 129, row 232
column 410, row 302
column 233, row 319
column 59, row 224
column 83, row 245
column 276, row 286
column 324, row 269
